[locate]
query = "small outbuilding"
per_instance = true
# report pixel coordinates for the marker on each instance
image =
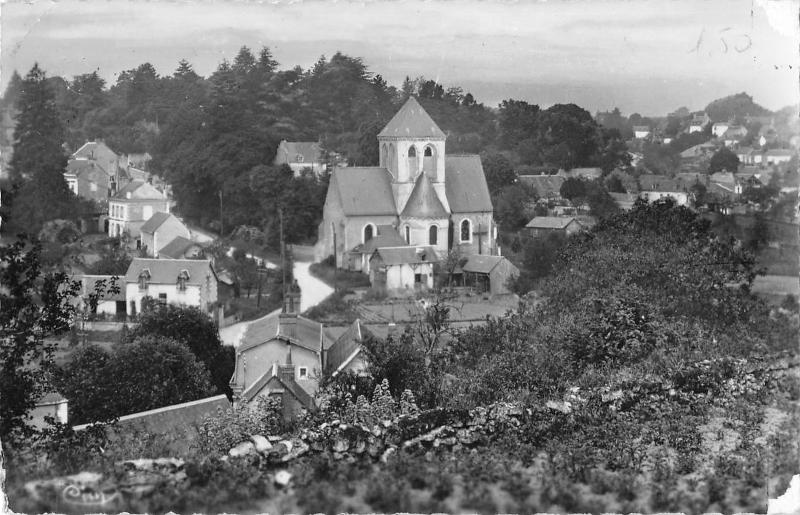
(402, 269)
(544, 225)
(489, 274)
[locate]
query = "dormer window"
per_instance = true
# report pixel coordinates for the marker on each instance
(183, 278)
(144, 277)
(299, 158)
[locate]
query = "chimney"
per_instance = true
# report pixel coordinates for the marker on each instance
(291, 299)
(286, 372)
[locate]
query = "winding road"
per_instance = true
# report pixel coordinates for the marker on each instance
(313, 291)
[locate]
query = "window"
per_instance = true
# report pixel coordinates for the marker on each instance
(368, 232)
(299, 158)
(433, 235)
(412, 151)
(428, 152)
(466, 231)
(92, 186)
(417, 278)
(147, 212)
(144, 276)
(182, 278)
(303, 372)
(408, 235)
(162, 299)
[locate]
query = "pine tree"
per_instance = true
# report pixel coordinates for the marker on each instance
(38, 162)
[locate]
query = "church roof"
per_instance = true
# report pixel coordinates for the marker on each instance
(412, 121)
(424, 202)
(364, 190)
(465, 184)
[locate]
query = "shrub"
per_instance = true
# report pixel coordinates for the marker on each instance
(221, 432)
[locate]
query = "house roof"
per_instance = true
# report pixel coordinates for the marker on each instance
(465, 184)
(166, 271)
(726, 177)
(139, 190)
(92, 149)
(651, 182)
(412, 121)
(406, 255)
(310, 151)
(641, 128)
(88, 283)
(155, 221)
(78, 166)
(176, 248)
(780, 152)
(545, 185)
(588, 173)
(50, 398)
(272, 378)
(302, 332)
(424, 202)
(481, 263)
(346, 347)
(387, 237)
(550, 222)
(364, 190)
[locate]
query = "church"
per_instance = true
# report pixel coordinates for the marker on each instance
(418, 196)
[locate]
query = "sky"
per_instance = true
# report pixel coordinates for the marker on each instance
(643, 56)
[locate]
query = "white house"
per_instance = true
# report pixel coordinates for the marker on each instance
(52, 404)
(778, 155)
(641, 131)
(402, 269)
(186, 282)
(301, 156)
(718, 129)
(681, 198)
(132, 206)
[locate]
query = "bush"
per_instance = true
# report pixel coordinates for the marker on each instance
(219, 433)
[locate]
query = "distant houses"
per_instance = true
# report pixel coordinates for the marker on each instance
(544, 225)
(301, 156)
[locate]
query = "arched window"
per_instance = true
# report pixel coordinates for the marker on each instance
(433, 235)
(429, 161)
(408, 235)
(413, 165)
(412, 151)
(369, 232)
(466, 230)
(384, 156)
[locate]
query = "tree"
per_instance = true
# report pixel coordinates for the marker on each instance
(114, 257)
(33, 306)
(38, 161)
(723, 159)
(498, 170)
(511, 206)
(197, 331)
(146, 373)
(573, 188)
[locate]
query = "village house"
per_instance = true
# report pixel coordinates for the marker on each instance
(778, 155)
(489, 274)
(588, 173)
(641, 131)
(545, 186)
(89, 180)
(99, 153)
(719, 128)
(283, 356)
(734, 135)
(681, 198)
(159, 230)
(108, 302)
(184, 282)
(541, 226)
(432, 199)
(402, 270)
(698, 123)
(386, 236)
(301, 156)
(132, 206)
